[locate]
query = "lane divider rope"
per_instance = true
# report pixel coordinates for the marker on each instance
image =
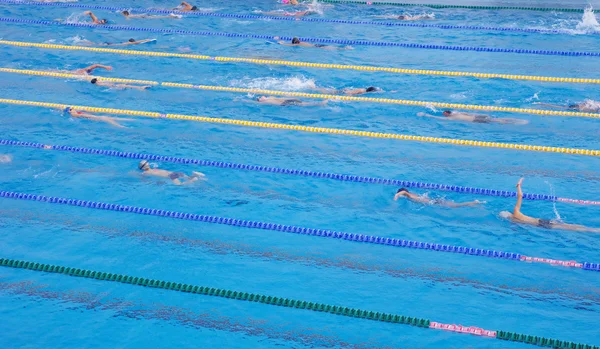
(322, 130)
(307, 39)
(296, 172)
(303, 64)
(306, 95)
(289, 18)
(363, 238)
(291, 303)
(311, 129)
(440, 6)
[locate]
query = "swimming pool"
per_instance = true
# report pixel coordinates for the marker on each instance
(54, 310)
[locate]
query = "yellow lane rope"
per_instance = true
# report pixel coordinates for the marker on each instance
(322, 130)
(304, 64)
(307, 95)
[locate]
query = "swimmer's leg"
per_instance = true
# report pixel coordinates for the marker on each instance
(510, 121)
(574, 227)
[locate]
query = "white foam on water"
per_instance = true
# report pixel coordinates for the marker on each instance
(294, 83)
(554, 209)
(535, 97)
(5, 158)
(591, 104)
(589, 22)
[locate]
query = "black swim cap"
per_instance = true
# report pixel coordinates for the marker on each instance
(94, 80)
(126, 13)
(194, 8)
(401, 190)
(371, 89)
(295, 41)
(447, 112)
(131, 40)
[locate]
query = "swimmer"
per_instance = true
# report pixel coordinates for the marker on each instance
(104, 118)
(519, 217)
(288, 14)
(475, 118)
(423, 199)
(348, 91)
(284, 102)
(297, 42)
(289, 2)
(128, 15)
(415, 18)
(588, 106)
(129, 42)
(95, 19)
(90, 69)
(185, 7)
(97, 82)
(178, 178)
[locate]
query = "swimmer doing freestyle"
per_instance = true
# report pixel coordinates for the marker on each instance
(475, 118)
(178, 178)
(588, 106)
(518, 217)
(422, 199)
(97, 82)
(284, 102)
(104, 118)
(128, 15)
(296, 42)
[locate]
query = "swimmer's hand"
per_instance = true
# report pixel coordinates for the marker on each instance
(420, 114)
(520, 182)
(480, 202)
(87, 12)
(199, 175)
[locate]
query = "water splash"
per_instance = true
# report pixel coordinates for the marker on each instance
(5, 158)
(589, 22)
(294, 83)
(535, 97)
(554, 209)
(590, 104)
(316, 7)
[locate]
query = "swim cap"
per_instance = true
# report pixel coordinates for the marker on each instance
(285, 1)
(295, 41)
(67, 110)
(142, 164)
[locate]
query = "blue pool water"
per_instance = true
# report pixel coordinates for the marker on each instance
(48, 310)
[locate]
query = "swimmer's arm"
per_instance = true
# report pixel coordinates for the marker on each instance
(284, 43)
(93, 16)
(186, 6)
(430, 116)
(551, 105)
(517, 210)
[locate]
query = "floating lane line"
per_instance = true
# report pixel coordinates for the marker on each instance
(362, 238)
(287, 19)
(311, 129)
(307, 95)
(290, 303)
(296, 172)
(307, 39)
(303, 64)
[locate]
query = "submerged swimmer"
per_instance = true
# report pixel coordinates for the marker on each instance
(97, 82)
(287, 102)
(348, 91)
(422, 199)
(475, 118)
(297, 42)
(519, 217)
(90, 69)
(185, 7)
(288, 14)
(588, 105)
(129, 42)
(178, 178)
(83, 115)
(128, 15)
(415, 18)
(95, 19)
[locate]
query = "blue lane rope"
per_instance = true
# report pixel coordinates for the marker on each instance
(315, 174)
(320, 40)
(302, 19)
(370, 239)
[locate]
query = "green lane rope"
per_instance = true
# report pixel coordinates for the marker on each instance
(440, 6)
(289, 303)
